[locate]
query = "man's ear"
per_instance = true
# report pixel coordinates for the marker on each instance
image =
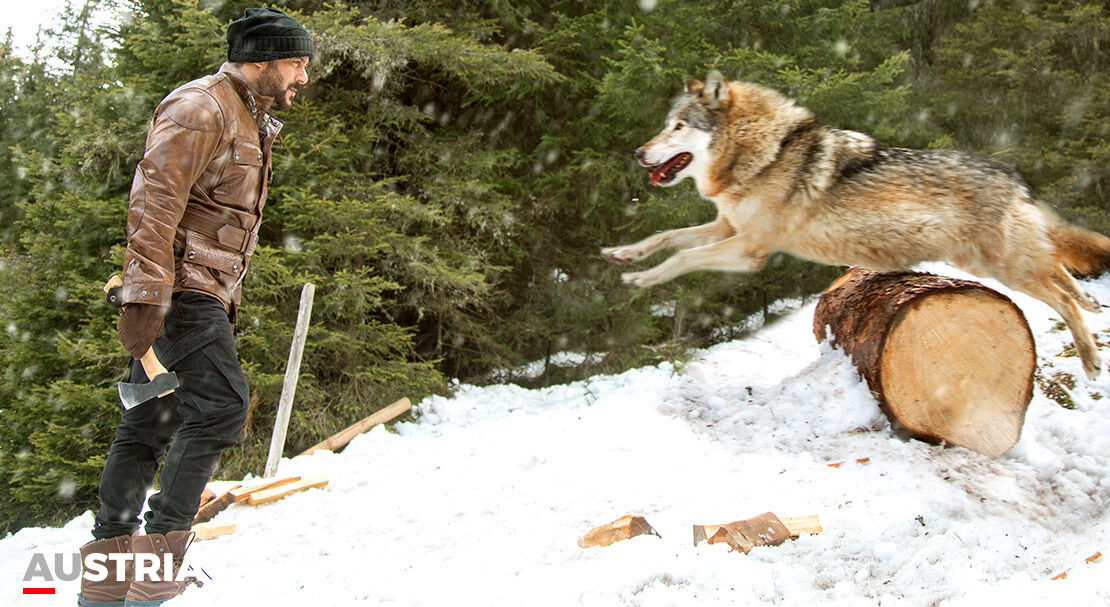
(716, 90)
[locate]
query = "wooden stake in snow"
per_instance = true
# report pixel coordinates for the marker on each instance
(948, 360)
(289, 386)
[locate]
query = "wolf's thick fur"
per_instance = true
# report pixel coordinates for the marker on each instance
(783, 181)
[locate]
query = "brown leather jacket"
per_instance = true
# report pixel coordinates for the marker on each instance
(197, 197)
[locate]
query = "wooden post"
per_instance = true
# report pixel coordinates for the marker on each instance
(289, 385)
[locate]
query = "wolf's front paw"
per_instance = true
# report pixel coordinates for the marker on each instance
(623, 253)
(639, 279)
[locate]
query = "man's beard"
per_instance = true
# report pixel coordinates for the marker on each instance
(270, 84)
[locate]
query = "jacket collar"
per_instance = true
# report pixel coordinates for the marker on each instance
(259, 105)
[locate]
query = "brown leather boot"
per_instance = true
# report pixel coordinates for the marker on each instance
(110, 592)
(144, 593)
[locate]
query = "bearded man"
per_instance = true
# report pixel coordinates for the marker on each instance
(192, 224)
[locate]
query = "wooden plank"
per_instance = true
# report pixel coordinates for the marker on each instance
(241, 494)
(272, 495)
(797, 525)
(206, 531)
(348, 434)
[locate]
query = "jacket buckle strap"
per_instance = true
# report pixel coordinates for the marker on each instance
(234, 237)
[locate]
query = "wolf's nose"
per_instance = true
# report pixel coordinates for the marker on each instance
(639, 154)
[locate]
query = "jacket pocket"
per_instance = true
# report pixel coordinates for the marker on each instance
(240, 185)
(209, 268)
(245, 153)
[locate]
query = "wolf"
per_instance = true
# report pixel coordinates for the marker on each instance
(784, 181)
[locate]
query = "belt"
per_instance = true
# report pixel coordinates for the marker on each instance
(217, 228)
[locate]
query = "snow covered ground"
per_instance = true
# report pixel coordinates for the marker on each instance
(482, 499)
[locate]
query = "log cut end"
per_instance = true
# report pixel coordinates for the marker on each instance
(948, 360)
(958, 367)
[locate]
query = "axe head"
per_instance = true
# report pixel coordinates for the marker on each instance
(132, 395)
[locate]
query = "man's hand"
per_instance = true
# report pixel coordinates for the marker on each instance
(138, 327)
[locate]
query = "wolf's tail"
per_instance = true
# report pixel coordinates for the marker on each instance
(1083, 252)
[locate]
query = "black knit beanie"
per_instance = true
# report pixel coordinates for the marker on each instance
(266, 34)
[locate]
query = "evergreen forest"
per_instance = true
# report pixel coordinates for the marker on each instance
(447, 179)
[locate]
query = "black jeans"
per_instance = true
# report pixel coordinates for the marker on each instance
(191, 427)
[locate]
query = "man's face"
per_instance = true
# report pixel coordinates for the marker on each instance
(281, 78)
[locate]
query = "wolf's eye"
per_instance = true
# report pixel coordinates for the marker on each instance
(678, 126)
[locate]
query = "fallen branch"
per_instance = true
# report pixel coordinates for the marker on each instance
(345, 436)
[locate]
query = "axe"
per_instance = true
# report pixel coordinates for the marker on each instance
(162, 382)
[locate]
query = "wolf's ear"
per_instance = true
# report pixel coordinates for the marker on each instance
(694, 86)
(716, 90)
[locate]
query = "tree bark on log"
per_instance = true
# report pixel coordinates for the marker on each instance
(948, 360)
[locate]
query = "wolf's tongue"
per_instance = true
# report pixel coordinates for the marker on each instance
(666, 171)
(657, 174)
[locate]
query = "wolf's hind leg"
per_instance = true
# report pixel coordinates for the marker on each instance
(1067, 282)
(729, 255)
(1067, 305)
(684, 238)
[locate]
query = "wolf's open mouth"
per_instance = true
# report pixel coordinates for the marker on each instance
(665, 173)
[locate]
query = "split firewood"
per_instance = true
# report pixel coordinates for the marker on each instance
(214, 506)
(206, 496)
(1091, 558)
(206, 531)
(348, 434)
(272, 495)
(948, 360)
(862, 460)
(623, 528)
(763, 530)
(237, 494)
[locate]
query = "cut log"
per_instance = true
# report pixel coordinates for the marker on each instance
(948, 360)
(623, 528)
(348, 434)
(763, 530)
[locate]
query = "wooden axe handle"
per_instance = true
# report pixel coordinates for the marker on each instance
(113, 282)
(151, 364)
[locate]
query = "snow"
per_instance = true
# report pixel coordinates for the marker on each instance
(482, 499)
